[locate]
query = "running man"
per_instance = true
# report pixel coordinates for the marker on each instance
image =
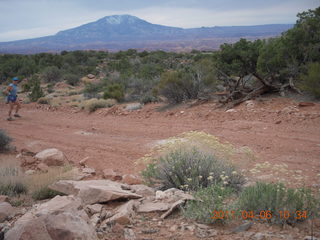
(12, 98)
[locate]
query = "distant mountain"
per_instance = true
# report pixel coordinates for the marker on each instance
(120, 32)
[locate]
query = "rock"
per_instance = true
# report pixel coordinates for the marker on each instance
(93, 209)
(173, 195)
(278, 122)
(133, 106)
(310, 238)
(231, 111)
(206, 233)
(147, 207)
(90, 171)
(84, 161)
(260, 236)
(143, 190)
(111, 175)
(242, 228)
(95, 218)
(124, 214)
(43, 167)
(94, 191)
(4, 198)
(129, 234)
(131, 179)
(30, 172)
(6, 210)
(91, 76)
(306, 104)
(57, 219)
(51, 157)
(172, 208)
(173, 228)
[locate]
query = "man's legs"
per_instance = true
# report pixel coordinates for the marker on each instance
(11, 105)
(17, 103)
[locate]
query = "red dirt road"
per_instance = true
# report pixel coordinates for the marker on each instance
(277, 130)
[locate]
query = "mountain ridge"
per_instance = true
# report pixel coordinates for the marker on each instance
(120, 32)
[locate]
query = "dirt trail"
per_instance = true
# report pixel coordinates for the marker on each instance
(277, 130)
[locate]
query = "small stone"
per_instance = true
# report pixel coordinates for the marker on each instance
(306, 104)
(111, 175)
(131, 179)
(242, 228)
(30, 172)
(90, 171)
(93, 209)
(84, 161)
(129, 234)
(173, 228)
(278, 122)
(231, 111)
(43, 167)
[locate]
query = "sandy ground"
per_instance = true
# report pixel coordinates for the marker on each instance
(276, 129)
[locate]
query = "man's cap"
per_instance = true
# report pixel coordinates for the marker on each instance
(15, 79)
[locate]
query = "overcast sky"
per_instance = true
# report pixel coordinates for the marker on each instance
(21, 19)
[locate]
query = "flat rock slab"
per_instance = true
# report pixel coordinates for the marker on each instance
(94, 191)
(153, 207)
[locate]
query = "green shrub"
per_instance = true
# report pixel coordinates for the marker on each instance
(148, 98)
(71, 79)
(207, 201)
(191, 169)
(51, 74)
(311, 81)
(12, 188)
(36, 91)
(45, 193)
(5, 141)
(91, 90)
(115, 91)
(94, 104)
(276, 198)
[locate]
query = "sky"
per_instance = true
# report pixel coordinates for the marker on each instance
(23, 19)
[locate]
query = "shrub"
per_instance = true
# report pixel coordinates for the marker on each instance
(207, 201)
(11, 182)
(276, 198)
(94, 104)
(5, 141)
(71, 79)
(51, 74)
(43, 100)
(311, 81)
(115, 91)
(191, 169)
(148, 98)
(91, 90)
(45, 193)
(36, 91)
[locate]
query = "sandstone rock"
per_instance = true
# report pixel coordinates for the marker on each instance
(133, 106)
(51, 157)
(206, 233)
(6, 210)
(93, 209)
(91, 76)
(242, 228)
(131, 179)
(30, 172)
(94, 191)
(129, 234)
(43, 167)
(173, 195)
(90, 171)
(142, 190)
(57, 219)
(231, 111)
(111, 175)
(4, 198)
(147, 207)
(95, 218)
(84, 161)
(124, 214)
(310, 238)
